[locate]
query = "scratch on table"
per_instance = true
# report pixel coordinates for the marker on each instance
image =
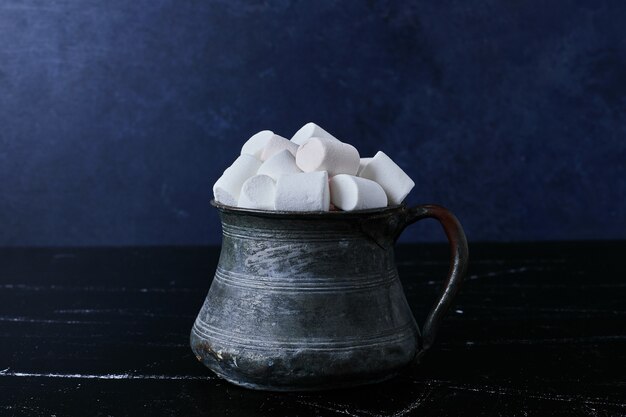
(339, 409)
(38, 410)
(569, 285)
(8, 373)
(499, 390)
(49, 321)
(491, 308)
(121, 312)
(54, 287)
(557, 340)
(124, 343)
(529, 394)
(414, 405)
(350, 411)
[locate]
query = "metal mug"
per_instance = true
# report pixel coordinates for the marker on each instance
(312, 300)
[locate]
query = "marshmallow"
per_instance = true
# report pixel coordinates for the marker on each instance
(227, 188)
(348, 193)
(307, 191)
(276, 144)
(257, 193)
(396, 183)
(362, 164)
(224, 197)
(310, 130)
(280, 164)
(254, 146)
(322, 154)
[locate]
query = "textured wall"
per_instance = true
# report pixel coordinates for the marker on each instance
(117, 116)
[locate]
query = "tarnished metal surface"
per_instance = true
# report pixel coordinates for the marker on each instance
(305, 301)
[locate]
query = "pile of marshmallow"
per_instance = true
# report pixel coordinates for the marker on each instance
(314, 171)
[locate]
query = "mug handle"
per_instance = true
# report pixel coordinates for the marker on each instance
(459, 257)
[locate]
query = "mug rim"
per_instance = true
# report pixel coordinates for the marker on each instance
(308, 214)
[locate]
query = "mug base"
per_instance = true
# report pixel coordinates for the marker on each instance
(330, 385)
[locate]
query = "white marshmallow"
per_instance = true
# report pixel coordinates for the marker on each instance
(322, 154)
(307, 191)
(254, 146)
(280, 164)
(396, 183)
(224, 197)
(276, 144)
(310, 130)
(257, 193)
(227, 188)
(362, 164)
(348, 193)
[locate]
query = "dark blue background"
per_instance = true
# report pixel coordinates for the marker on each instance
(116, 117)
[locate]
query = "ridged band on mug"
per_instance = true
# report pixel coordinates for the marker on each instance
(362, 282)
(289, 235)
(229, 338)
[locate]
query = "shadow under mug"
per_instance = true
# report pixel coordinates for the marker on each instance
(312, 300)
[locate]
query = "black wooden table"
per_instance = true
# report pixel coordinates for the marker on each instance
(539, 329)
